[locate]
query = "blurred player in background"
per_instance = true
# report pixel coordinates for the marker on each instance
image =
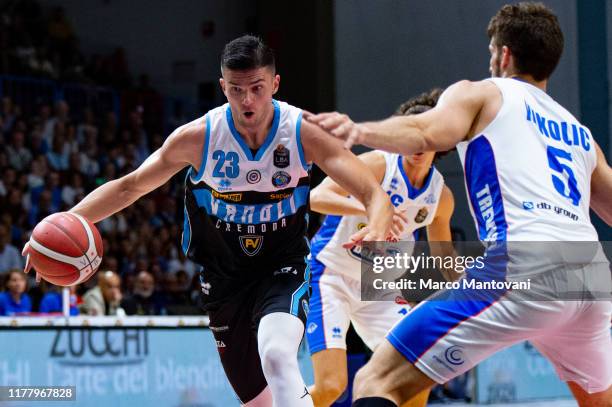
(417, 191)
(518, 147)
(246, 215)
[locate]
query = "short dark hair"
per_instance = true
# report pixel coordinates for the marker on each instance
(247, 52)
(420, 104)
(532, 33)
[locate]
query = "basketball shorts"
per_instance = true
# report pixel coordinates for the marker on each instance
(234, 324)
(335, 302)
(445, 338)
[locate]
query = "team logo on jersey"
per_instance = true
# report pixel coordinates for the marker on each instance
(234, 197)
(253, 177)
(394, 183)
(361, 225)
(224, 185)
(430, 199)
(421, 215)
(281, 156)
(336, 332)
(281, 179)
(454, 355)
(312, 327)
(528, 205)
(251, 244)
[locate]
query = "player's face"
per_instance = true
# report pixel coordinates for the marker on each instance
(249, 94)
(495, 61)
(421, 159)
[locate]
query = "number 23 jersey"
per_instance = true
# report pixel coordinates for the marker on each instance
(246, 212)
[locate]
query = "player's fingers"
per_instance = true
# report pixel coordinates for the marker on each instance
(25, 249)
(356, 238)
(334, 121)
(401, 215)
(351, 139)
(343, 130)
(317, 118)
(398, 223)
(395, 229)
(28, 264)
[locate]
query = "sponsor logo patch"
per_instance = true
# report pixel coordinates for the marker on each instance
(251, 244)
(421, 215)
(253, 176)
(234, 197)
(281, 156)
(281, 179)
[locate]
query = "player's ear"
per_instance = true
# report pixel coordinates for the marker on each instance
(506, 58)
(222, 83)
(275, 84)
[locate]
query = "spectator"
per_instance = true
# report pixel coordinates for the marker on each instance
(10, 258)
(8, 114)
(52, 301)
(145, 300)
(19, 155)
(9, 178)
(15, 300)
(58, 156)
(105, 298)
(73, 189)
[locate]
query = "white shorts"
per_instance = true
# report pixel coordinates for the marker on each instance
(335, 302)
(444, 339)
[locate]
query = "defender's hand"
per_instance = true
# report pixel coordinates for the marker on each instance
(399, 222)
(341, 126)
(369, 235)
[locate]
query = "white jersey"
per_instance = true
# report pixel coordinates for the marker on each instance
(528, 174)
(419, 205)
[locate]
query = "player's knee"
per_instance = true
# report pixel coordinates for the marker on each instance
(275, 360)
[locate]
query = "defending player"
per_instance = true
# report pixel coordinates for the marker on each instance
(421, 199)
(518, 146)
(246, 214)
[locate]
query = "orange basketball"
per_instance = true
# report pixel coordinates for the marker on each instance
(65, 249)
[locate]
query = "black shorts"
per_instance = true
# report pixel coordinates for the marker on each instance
(234, 324)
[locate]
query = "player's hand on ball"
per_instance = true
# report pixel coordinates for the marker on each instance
(65, 249)
(341, 126)
(28, 262)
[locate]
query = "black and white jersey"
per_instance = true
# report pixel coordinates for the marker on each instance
(246, 211)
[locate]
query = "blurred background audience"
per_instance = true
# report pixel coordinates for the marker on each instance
(69, 123)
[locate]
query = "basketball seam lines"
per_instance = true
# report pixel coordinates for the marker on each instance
(65, 232)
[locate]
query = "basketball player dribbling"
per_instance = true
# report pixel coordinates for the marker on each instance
(246, 215)
(517, 146)
(422, 201)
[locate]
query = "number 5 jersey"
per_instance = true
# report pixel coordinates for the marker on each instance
(528, 173)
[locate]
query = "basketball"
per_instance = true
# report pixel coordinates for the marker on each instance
(65, 249)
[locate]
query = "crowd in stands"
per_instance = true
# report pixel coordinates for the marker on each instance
(52, 154)
(41, 42)
(51, 161)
